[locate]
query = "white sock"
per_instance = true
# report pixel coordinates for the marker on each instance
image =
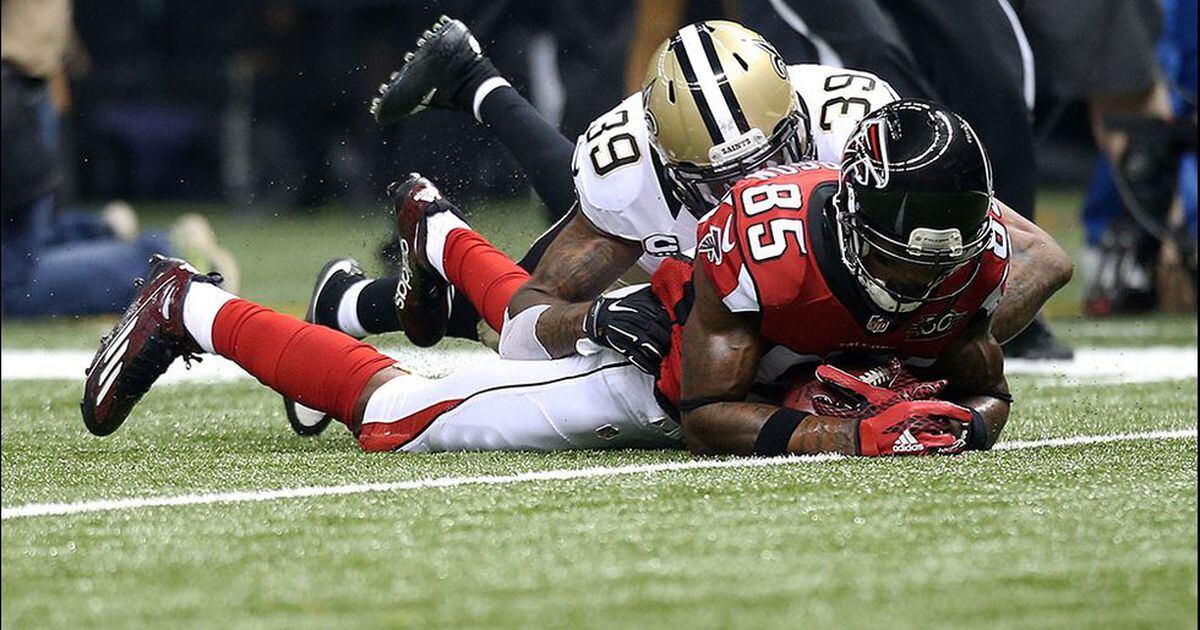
(200, 307)
(347, 312)
(440, 225)
(485, 88)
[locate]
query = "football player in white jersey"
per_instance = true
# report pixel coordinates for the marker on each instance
(602, 399)
(718, 103)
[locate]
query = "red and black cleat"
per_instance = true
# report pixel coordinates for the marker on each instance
(140, 348)
(422, 295)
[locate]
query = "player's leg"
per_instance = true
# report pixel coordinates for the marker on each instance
(178, 312)
(580, 402)
(360, 306)
(446, 72)
(592, 402)
(438, 250)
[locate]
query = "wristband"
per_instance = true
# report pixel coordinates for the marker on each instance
(977, 433)
(772, 440)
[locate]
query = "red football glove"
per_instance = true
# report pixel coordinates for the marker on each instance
(915, 427)
(858, 399)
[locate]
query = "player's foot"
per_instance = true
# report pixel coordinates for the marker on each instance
(331, 283)
(149, 337)
(444, 71)
(194, 241)
(1038, 343)
(422, 295)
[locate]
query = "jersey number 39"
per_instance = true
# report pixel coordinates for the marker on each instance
(609, 148)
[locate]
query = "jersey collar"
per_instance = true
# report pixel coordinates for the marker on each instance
(842, 285)
(665, 187)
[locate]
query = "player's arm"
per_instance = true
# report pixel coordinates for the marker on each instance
(721, 350)
(578, 265)
(974, 365)
(1038, 267)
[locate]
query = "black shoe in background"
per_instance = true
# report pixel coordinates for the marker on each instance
(1037, 343)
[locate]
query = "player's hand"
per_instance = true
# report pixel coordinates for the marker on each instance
(915, 427)
(634, 323)
(852, 397)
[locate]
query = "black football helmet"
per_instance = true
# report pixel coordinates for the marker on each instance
(915, 188)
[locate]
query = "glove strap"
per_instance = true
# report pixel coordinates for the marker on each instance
(772, 440)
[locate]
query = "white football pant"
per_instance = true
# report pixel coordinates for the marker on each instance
(599, 401)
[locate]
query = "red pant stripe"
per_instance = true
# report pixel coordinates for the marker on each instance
(389, 436)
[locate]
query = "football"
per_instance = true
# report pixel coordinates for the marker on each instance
(885, 372)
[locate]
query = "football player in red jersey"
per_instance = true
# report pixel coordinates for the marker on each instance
(631, 171)
(900, 252)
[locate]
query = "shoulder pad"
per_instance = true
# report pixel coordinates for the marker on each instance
(836, 99)
(754, 248)
(611, 163)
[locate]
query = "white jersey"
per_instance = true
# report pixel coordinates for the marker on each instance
(624, 191)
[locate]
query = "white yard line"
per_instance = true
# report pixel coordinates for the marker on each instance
(85, 507)
(1106, 366)
(1091, 366)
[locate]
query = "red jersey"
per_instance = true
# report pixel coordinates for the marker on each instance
(771, 247)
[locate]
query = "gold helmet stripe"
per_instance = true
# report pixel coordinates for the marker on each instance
(705, 84)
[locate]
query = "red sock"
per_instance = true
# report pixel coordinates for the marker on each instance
(483, 273)
(316, 366)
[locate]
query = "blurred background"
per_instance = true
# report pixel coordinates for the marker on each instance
(240, 128)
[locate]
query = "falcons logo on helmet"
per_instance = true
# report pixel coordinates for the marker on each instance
(866, 158)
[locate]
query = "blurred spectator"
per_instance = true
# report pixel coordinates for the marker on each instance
(1139, 80)
(61, 263)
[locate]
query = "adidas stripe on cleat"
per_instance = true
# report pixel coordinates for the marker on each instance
(143, 344)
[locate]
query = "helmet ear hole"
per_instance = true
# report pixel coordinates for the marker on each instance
(741, 62)
(671, 91)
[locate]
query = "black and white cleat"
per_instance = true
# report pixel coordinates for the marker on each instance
(443, 72)
(322, 309)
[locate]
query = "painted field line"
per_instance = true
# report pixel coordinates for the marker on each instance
(85, 507)
(1091, 366)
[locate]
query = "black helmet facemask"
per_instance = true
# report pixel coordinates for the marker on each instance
(928, 208)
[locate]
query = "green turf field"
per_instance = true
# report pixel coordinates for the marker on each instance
(1091, 534)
